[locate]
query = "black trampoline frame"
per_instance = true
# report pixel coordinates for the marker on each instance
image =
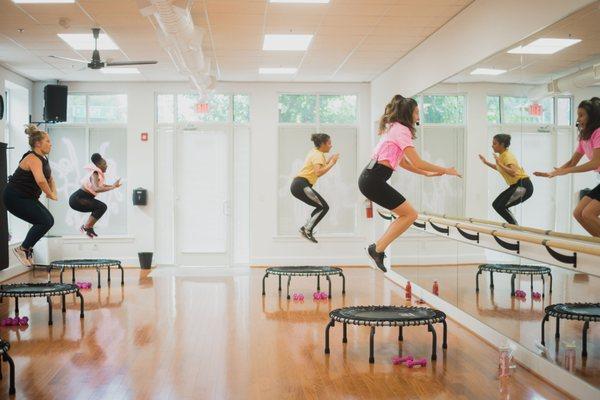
(66, 289)
(84, 264)
(514, 270)
(439, 317)
(4, 357)
(295, 271)
(551, 311)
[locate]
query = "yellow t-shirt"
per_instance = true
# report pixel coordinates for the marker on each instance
(507, 158)
(315, 157)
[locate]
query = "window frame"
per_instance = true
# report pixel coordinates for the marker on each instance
(87, 120)
(318, 122)
(421, 102)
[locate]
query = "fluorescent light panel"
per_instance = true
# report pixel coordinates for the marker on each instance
(277, 71)
(287, 42)
(487, 71)
(42, 1)
(544, 46)
(85, 41)
(300, 1)
(120, 70)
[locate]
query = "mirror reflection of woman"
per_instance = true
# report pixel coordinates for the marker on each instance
(519, 188)
(587, 211)
(395, 148)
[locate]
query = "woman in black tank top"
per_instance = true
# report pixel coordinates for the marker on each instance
(32, 177)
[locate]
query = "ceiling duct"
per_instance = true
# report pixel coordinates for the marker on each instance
(567, 84)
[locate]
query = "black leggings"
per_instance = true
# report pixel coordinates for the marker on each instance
(515, 194)
(29, 210)
(83, 201)
(303, 191)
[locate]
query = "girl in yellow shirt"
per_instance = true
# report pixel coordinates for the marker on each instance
(315, 166)
(519, 188)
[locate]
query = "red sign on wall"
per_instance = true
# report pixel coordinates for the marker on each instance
(535, 109)
(144, 136)
(202, 108)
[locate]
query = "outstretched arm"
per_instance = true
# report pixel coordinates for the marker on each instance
(404, 163)
(417, 162)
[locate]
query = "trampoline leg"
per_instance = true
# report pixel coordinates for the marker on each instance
(80, 304)
(122, 274)
(550, 275)
(108, 274)
(16, 306)
(11, 365)
(318, 282)
(543, 323)
(263, 283)
(72, 275)
(433, 342)
(343, 283)
(400, 334)
(491, 279)
(372, 346)
(512, 284)
(445, 337)
(62, 270)
(49, 310)
(557, 334)
(1, 299)
(288, 286)
(477, 280)
(279, 282)
(543, 286)
(329, 282)
(98, 272)
(345, 337)
(329, 325)
(586, 325)
(64, 307)
(531, 282)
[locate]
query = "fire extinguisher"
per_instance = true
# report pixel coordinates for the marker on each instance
(408, 291)
(436, 288)
(369, 208)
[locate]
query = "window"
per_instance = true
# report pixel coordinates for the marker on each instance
(564, 111)
(241, 108)
(337, 109)
(493, 109)
(218, 108)
(297, 108)
(76, 108)
(520, 110)
(97, 108)
(443, 110)
(165, 111)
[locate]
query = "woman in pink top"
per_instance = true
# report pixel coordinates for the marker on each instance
(397, 130)
(84, 199)
(588, 122)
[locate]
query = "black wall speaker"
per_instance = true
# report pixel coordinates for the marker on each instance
(55, 103)
(1, 106)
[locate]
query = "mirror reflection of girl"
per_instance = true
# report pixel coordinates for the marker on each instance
(519, 188)
(21, 195)
(395, 148)
(84, 200)
(587, 211)
(315, 166)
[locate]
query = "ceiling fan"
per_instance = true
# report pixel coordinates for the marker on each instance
(96, 63)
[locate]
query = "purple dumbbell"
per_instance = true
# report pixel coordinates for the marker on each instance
(413, 363)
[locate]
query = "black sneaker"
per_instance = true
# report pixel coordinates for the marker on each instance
(307, 235)
(376, 257)
(88, 231)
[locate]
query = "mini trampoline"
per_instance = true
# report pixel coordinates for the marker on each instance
(46, 290)
(87, 263)
(514, 270)
(4, 346)
(327, 272)
(587, 312)
(374, 316)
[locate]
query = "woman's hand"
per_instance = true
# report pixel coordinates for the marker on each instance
(452, 171)
(556, 172)
(117, 183)
(483, 159)
(52, 196)
(496, 158)
(334, 158)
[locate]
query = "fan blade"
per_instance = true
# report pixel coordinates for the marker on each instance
(118, 63)
(68, 59)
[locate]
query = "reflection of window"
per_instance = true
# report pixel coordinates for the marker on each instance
(337, 109)
(297, 108)
(97, 108)
(447, 109)
(493, 109)
(564, 111)
(519, 110)
(241, 108)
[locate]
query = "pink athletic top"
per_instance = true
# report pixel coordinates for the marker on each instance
(392, 144)
(86, 183)
(587, 146)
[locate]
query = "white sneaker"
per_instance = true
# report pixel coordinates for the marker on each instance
(22, 256)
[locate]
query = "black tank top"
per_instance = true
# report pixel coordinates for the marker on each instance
(24, 182)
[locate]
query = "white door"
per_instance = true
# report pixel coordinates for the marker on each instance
(202, 190)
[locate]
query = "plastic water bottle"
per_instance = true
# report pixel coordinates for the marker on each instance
(504, 361)
(408, 291)
(570, 356)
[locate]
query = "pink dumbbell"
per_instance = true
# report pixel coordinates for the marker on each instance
(520, 294)
(320, 296)
(298, 297)
(7, 322)
(22, 321)
(400, 360)
(84, 285)
(413, 363)
(536, 295)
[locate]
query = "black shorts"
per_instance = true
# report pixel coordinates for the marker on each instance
(373, 185)
(594, 193)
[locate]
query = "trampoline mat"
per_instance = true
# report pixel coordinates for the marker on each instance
(386, 313)
(515, 268)
(41, 289)
(304, 270)
(583, 309)
(85, 263)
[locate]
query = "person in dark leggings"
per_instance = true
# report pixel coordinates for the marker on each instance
(84, 199)
(395, 148)
(21, 195)
(519, 188)
(587, 212)
(315, 166)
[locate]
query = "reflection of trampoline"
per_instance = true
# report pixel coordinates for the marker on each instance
(387, 316)
(4, 346)
(87, 263)
(514, 270)
(305, 271)
(588, 312)
(46, 290)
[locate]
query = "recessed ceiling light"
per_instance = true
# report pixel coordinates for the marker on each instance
(85, 41)
(300, 1)
(41, 1)
(287, 42)
(118, 70)
(487, 71)
(544, 46)
(279, 71)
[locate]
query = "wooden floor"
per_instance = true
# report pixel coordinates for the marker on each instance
(187, 333)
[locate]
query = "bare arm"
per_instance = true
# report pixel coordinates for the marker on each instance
(404, 163)
(417, 162)
(510, 169)
(572, 167)
(321, 170)
(573, 161)
(98, 188)
(35, 166)
(486, 162)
